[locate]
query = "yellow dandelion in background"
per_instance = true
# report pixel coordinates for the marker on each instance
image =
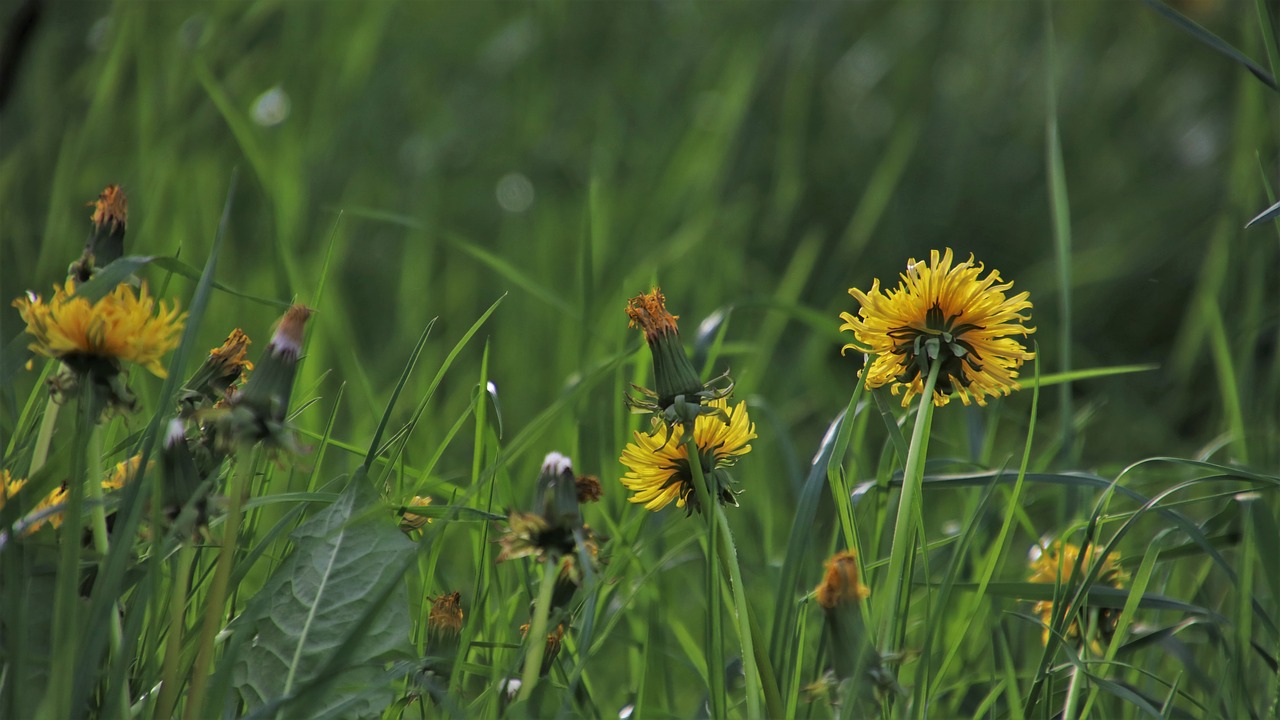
(410, 521)
(659, 465)
(943, 312)
(125, 471)
(1055, 564)
(841, 584)
(10, 488)
(120, 326)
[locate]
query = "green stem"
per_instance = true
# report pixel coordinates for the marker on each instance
(537, 637)
(214, 601)
(101, 545)
(754, 659)
(904, 536)
(1073, 693)
(66, 603)
(715, 622)
(40, 453)
(170, 682)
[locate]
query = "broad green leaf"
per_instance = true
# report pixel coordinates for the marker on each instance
(342, 557)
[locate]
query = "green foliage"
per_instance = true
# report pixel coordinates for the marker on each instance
(467, 194)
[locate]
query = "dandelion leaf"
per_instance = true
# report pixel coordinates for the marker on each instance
(344, 560)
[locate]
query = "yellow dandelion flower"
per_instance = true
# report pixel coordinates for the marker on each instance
(1055, 564)
(120, 326)
(841, 583)
(410, 521)
(10, 487)
(659, 465)
(124, 472)
(943, 311)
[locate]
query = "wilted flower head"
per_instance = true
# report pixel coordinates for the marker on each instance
(680, 396)
(841, 584)
(445, 617)
(225, 366)
(552, 647)
(106, 242)
(942, 313)
(258, 411)
(659, 469)
(589, 489)
(1056, 563)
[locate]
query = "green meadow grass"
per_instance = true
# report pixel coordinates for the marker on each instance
(468, 194)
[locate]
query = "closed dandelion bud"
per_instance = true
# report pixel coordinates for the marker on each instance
(106, 240)
(556, 492)
(271, 385)
(839, 595)
(186, 504)
(680, 396)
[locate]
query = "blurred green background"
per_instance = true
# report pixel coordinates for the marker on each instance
(758, 158)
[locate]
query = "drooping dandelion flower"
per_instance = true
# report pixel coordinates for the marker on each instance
(216, 377)
(1055, 564)
(943, 312)
(123, 325)
(659, 466)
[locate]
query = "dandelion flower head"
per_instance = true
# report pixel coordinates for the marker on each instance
(659, 470)
(122, 325)
(945, 312)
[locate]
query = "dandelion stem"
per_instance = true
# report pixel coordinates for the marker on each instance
(101, 545)
(715, 622)
(66, 603)
(170, 682)
(894, 613)
(537, 637)
(215, 600)
(1073, 693)
(753, 663)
